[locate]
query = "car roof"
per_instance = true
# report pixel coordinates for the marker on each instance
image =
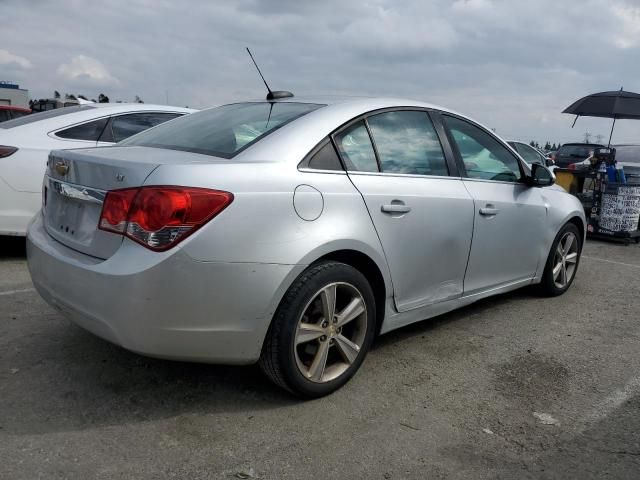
(368, 103)
(294, 140)
(81, 113)
(581, 145)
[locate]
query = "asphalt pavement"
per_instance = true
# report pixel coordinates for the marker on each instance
(516, 386)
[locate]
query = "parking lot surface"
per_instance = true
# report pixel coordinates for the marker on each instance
(515, 386)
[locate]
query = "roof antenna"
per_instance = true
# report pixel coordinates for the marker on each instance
(272, 95)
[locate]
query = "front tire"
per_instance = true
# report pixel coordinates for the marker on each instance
(321, 331)
(562, 262)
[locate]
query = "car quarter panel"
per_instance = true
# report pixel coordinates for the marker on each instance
(262, 225)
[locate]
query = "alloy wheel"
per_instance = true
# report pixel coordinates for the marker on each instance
(565, 260)
(330, 332)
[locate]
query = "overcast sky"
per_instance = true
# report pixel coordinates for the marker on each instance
(510, 64)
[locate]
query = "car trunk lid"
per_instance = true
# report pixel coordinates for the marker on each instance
(76, 183)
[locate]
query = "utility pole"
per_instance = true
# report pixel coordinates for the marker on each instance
(587, 137)
(599, 138)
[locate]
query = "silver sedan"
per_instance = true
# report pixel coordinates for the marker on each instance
(292, 232)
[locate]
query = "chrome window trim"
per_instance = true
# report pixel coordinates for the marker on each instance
(486, 180)
(317, 170)
(403, 175)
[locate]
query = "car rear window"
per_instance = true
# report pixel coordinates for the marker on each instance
(223, 131)
(576, 151)
(35, 117)
(628, 154)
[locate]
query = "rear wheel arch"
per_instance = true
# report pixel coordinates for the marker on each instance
(369, 268)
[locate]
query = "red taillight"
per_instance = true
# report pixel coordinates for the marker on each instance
(116, 209)
(572, 166)
(6, 151)
(160, 217)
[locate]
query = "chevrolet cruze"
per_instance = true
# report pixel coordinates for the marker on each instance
(291, 232)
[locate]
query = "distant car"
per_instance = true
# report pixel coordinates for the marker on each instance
(574, 153)
(9, 112)
(530, 154)
(627, 156)
(25, 144)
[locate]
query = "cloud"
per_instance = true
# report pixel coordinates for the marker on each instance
(630, 18)
(513, 65)
(87, 70)
(471, 5)
(7, 58)
(386, 30)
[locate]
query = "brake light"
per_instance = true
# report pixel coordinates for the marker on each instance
(6, 151)
(160, 217)
(572, 166)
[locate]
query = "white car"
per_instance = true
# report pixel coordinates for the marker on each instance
(531, 154)
(25, 144)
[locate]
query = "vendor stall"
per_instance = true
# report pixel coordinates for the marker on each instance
(611, 203)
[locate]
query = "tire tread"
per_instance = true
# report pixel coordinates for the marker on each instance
(270, 350)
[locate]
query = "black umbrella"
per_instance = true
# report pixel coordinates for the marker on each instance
(617, 104)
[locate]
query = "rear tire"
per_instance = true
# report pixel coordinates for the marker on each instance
(562, 262)
(321, 331)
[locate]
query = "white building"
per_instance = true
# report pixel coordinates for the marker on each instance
(12, 94)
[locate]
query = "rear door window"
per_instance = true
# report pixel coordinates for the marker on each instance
(406, 142)
(124, 126)
(89, 131)
(325, 158)
(356, 149)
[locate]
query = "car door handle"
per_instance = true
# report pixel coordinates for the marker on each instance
(489, 210)
(395, 208)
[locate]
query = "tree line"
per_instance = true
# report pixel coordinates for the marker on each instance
(547, 146)
(102, 98)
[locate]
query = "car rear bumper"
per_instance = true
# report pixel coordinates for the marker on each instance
(17, 209)
(165, 305)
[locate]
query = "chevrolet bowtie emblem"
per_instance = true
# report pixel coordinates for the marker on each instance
(61, 168)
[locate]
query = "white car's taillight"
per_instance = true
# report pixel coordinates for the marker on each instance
(159, 217)
(5, 151)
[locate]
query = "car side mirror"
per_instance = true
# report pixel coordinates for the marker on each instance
(550, 162)
(541, 176)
